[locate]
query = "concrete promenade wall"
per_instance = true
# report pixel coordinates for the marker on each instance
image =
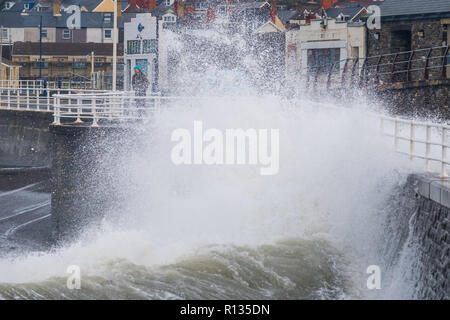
(431, 230)
(25, 138)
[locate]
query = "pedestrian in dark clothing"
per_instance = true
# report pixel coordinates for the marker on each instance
(140, 85)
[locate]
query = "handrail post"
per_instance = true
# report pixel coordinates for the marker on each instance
(18, 99)
(411, 141)
(48, 100)
(408, 75)
(94, 113)
(344, 72)
(28, 97)
(57, 111)
(79, 106)
(393, 67)
(445, 62)
(444, 154)
(427, 149)
(427, 63)
(9, 97)
(362, 74)
(38, 102)
(329, 76)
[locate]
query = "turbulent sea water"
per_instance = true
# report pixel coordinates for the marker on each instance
(226, 232)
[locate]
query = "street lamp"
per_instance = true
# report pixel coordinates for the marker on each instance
(40, 48)
(114, 75)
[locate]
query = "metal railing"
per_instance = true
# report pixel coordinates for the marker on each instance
(35, 98)
(90, 108)
(70, 84)
(116, 107)
(421, 64)
(422, 140)
(23, 84)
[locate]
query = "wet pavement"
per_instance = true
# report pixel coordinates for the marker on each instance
(25, 207)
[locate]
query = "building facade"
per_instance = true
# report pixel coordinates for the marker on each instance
(407, 33)
(141, 49)
(147, 41)
(71, 60)
(322, 43)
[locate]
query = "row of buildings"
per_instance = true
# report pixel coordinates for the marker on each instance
(287, 39)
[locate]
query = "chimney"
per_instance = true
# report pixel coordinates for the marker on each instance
(132, 5)
(151, 4)
(56, 8)
(210, 15)
(327, 4)
(273, 10)
(180, 9)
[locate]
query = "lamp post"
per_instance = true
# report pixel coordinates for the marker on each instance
(40, 49)
(114, 72)
(1, 51)
(92, 63)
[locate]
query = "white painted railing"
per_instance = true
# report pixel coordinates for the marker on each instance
(422, 140)
(70, 85)
(90, 108)
(35, 98)
(23, 84)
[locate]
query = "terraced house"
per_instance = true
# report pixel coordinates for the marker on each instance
(35, 29)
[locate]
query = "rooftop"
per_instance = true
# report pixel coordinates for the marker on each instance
(390, 8)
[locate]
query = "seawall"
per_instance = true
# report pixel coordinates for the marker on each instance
(25, 138)
(431, 229)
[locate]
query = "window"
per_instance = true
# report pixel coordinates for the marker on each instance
(79, 64)
(66, 34)
(401, 39)
(60, 62)
(168, 3)
(107, 34)
(44, 33)
(43, 63)
(134, 47)
(4, 34)
(43, 7)
(107, 17)
(322, 60)
(168, 18)
(149, 46)
(99, 62)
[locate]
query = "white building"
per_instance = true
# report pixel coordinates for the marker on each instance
(140, 47)
(324, 42)
(147, 46)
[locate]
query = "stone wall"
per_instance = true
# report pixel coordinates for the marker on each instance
(423, 99)
(432, 232)
(432, 35)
